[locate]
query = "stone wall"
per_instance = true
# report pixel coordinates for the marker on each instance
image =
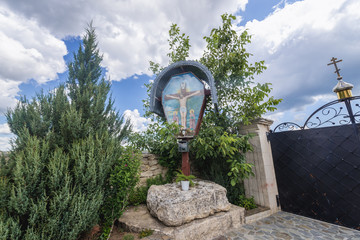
(150, 168)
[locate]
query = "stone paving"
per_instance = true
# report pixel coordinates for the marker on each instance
(283, 225)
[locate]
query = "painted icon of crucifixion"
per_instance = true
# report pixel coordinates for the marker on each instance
(182, 97)
(182, 100)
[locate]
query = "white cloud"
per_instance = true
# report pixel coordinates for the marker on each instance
(4, 129)
(8, 92)
(131, 32)
(299, 40)
(27, 51)
(5, 136)
(276, 117)
(5, 143)
(139, 123)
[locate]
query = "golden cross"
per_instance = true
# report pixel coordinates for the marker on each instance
(336, 68)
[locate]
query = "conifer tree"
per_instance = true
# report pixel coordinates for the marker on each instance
(59, 173)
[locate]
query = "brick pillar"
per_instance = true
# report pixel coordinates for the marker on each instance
(263, 185)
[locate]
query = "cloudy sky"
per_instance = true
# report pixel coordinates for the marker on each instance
(295, 38)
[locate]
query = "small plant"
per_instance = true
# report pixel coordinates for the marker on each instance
(158, 180)
(180, 176)
(146, 233)
(128, 237)
(247, 203)
(139, 194)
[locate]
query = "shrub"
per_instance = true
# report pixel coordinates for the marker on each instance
(247, 203)
(123, 178)
(146, 233)
(66, 156)
(139, 195)
(128, 237)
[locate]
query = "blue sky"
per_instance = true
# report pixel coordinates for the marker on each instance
(295, 38)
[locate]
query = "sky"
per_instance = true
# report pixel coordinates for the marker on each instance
(295, 38)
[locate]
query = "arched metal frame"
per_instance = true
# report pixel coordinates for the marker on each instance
(164, 76)
(287, 126)
(331, 114)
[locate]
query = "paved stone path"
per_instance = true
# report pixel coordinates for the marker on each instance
(283, 225)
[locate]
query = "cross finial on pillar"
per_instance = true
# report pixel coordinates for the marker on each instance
(337, 70)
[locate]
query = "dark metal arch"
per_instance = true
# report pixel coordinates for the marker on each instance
(337, 112)
(332, 114)
(164, 76)
(287, 126)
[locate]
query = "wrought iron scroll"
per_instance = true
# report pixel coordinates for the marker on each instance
(287, 126)
(335, 113)
(331, 114)
(356, 109)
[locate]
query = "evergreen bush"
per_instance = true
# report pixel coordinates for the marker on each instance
(67, 170)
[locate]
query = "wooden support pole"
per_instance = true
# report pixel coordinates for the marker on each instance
(185, 166)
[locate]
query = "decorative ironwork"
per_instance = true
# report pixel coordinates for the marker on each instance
(330, 114)
(287, 126)
(317, 172)
(335, 113)
(356, 109)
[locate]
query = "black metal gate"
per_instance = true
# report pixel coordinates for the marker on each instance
(318, 170)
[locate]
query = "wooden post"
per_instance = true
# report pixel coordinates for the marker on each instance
(185, 166)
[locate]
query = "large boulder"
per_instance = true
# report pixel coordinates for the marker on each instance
(175, 207)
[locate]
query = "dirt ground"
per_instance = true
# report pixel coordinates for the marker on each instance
(118, 234)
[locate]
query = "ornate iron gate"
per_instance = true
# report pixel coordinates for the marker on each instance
(318, 167)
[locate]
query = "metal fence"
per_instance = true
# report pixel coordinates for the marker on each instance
(318, 169)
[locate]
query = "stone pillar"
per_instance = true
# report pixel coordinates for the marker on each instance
(263, 185)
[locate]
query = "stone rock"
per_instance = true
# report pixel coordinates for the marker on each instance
(157, 172)
(175, 207)
(152, 162)
(138, 218)
(142, 182)
(155, 167)
(147, 174)
(144, 168)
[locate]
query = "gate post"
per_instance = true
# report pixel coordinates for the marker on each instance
(263, 185)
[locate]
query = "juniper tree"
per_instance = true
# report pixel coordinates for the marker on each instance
(58, 175)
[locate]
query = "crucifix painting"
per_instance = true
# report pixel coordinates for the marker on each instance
(183, 95)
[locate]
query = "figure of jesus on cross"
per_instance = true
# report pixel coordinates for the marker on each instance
(183, 96)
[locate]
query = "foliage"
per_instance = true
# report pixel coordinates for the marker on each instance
(123, 179)
(219, 156)
(67, 151)
(128, 237)
(218, 152)
(139, 194)
(213, 144)
(146, 233)
(105, 232)
(217, 171)
(180, 176)
(160, 140)
(247, 203)
(226, 57)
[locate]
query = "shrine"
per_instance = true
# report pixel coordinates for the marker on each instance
(179, 94)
